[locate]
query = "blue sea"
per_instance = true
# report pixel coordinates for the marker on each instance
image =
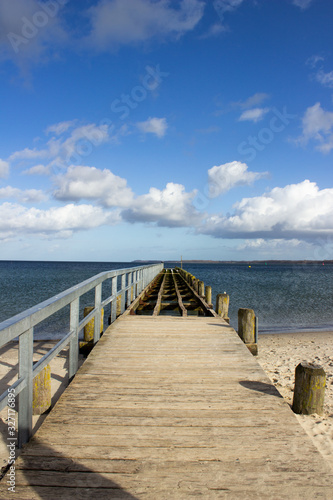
(285, 296)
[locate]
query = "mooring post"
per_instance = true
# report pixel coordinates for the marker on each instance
(247, 329)
(208, 295)
(201, 288)
(309, 392)
(41, 395)
(222, 306)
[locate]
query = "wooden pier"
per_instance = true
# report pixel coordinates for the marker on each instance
(170, 404)
(171, 408)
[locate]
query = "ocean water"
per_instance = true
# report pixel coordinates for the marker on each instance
(285, 297)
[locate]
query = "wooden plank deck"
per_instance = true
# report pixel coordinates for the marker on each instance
(171, 408)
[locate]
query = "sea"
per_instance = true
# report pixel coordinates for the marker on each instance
(285, 296)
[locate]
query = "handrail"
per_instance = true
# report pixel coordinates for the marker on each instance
(22, 326)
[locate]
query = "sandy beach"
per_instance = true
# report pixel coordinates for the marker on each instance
(279, 354)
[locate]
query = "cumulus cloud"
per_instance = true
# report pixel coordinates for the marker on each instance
(317, 126)
(4, 168)
(222, 178)
(17, 219)
(300, 211)
(157, 126)
(115, 22)
(24, 196)
(170, 207)
(90, 183)
(253, 115)
(303, 4)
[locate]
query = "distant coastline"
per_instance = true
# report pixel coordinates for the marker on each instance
(275, 262)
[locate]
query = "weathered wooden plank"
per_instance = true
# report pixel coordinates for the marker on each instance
(171, 408)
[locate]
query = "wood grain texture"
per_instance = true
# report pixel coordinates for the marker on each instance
(171, 408)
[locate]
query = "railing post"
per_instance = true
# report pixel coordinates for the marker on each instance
(135, 285)
(98, 301)
(123, 285)
(129, 291)
(74, 342)
(26, 349)
(114, 302)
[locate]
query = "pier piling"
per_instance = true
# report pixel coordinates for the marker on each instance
(309, 392)
(247, 329)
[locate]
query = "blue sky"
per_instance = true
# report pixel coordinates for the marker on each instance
(150, 129)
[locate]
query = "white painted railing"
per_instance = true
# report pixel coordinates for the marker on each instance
(22, 326)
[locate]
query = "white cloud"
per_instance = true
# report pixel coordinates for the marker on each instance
(253, 115)
(117, 22)
(63, 221)
(325, 79)
(29, 154)
(60, 128)
(253, 100)
(90, 183)
(270, 245)
(24, 196)
(170, 207)
(299, 211)
(66, 147)
(222, 178)
(157, 126)
(314, 60)
(303, 4)
(318, 126)
(4, 168)
(223, 6)
(38, 170)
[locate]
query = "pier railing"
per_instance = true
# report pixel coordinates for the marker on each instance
(132, 282)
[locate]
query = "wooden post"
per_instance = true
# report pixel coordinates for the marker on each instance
(201, 288)
(222, 306)
(41, 397)
(118, 305)
(208, 295)
(309, 392)
(247, 329)
(90, 327)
